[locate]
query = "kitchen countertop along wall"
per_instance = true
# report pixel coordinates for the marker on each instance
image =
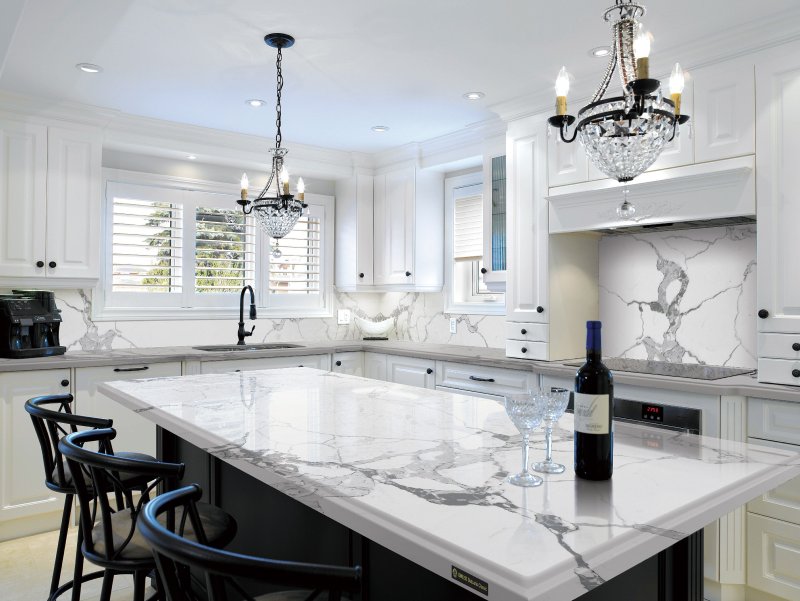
(745, 385)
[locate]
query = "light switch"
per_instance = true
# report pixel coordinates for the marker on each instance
(343, 317)
(453, 325)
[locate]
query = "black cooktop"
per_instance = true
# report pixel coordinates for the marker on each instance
(664, 368)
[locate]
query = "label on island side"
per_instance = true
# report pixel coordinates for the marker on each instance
(471, 581)
(591, 413)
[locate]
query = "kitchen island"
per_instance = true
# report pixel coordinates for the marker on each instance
(410, 483)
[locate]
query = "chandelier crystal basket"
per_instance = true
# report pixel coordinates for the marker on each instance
(624, 135)
(276, 208)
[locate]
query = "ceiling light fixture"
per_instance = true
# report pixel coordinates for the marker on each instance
(379, 129)
(191, 157)
(276, 207)
(255, 102)
(474, 95)
(624, 135)
(600, 51)
(89, 68)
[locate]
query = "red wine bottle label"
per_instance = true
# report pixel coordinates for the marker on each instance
(591, 413)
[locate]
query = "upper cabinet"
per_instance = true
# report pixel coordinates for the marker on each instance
(390, 231)
(51, 197)
(495, 248)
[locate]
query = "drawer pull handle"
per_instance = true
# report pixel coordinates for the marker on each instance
(483, 270)
(763, 313)
(540, 309)
(39, 263)
(65, 383)
(796, 373)
(796, 346)
(523, 331)
(429, 371)
(361, 275)
(477, 379)
(338, 364)
(119, 369)
(408, 274)
(52, 264)
(524, 350)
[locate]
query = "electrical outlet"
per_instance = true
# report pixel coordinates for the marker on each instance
(453, 325)
(343, 317)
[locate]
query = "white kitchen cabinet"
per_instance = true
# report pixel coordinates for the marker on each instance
(354, 233)
(25, 501)
(348, 363)
(492, 381)
(233, 365)
(773, 552)
(134, 432)
(375, 366)
(409, 230)
(51, 200)
(495, 248)
(411, 370)
(567, 163)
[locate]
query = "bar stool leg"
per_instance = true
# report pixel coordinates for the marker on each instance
(139, 580)
(62, 543)
(77, 574)
(108, 580)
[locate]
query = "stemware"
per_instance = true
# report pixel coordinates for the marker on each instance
(555, 403)
(526, 411)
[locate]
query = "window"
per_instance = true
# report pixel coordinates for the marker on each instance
(466, 291)
(177, 252)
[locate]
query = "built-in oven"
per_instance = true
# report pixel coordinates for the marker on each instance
(656, 415)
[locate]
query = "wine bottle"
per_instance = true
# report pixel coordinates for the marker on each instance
(594, 407)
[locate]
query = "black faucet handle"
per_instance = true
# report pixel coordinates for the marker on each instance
(252, 311)
(250, 333)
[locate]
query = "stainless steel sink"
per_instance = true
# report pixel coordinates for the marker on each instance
(246, 347)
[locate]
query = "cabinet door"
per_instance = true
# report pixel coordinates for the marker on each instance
(22, 491)
(375, 366)
(348, 363)
(394, 227)
(23, 198)
(773, 554)
(224, 367)
(725, 111)
(73, 202)
(778, 187)
(134, 433)
(411, 371)
(494, 215)
(566, 163)
(680, 151)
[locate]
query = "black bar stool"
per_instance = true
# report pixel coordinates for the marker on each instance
(169, 518)
(51, 424)
(111, 535)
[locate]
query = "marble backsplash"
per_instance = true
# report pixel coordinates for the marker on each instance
(681, 296)
(418, 317)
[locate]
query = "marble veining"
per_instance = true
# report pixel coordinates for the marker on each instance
(422, 472)
(680, 296)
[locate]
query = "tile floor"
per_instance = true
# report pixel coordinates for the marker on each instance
(26, 566)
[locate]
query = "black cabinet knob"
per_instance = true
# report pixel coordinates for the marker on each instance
(408, 273)
(338, 364)
(52, 264)
(796, 373)
(763, 313)
(429, 371)
(361, 275)
(523, 350)
(796, 346)
(523, 331)
(39, 263)
(65, 383)
(540, 309)
(483, 270)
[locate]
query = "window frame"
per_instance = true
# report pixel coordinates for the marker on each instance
(479, 303)
(106, 305)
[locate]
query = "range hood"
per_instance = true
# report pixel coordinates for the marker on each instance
(699, 195)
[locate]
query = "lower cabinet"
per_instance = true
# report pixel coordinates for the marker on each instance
(411, 371)
(224, 367)
(375, 366)
(348, 363)
(773, 556)
(134, 433)
(24, 498)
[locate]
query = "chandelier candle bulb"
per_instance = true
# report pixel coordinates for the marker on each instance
(676, 83)
(562, 89)
(285, 179)
(301, 189)
(641, 50)
(245, 185)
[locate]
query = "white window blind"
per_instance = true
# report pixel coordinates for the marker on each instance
(298, 268)
(147, 245)
(224, 250)
(468, 228)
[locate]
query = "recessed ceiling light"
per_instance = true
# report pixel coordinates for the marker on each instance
(89, 68)
(380, 128)
(255, 102)
(191, 157)
(600, 51)
(474, 95)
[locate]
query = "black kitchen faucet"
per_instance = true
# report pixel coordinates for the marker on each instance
(242, 332)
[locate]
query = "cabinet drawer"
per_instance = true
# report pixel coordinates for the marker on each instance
(774, 420)
(487, 380)
(222, 367)
(523, 349)
(526, 331)
(779, 371)
(773, 554)
(779, 346)
(782, 502)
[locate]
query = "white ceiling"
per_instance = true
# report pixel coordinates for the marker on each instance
(357, 63)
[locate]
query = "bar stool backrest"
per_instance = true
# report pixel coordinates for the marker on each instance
(175, 555)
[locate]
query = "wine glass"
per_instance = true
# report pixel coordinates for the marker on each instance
(526, 411)
(555, 403)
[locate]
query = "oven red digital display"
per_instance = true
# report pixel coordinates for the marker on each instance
(653, 413)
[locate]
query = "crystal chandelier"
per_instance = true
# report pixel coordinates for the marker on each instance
(624, 135)
(276, 207)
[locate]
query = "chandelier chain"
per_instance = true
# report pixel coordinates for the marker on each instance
(279, 87)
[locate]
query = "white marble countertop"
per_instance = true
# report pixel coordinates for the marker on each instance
(422, 473)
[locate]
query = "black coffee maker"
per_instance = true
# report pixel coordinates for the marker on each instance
(29, 324)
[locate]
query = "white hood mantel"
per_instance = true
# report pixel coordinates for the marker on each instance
(701, 192)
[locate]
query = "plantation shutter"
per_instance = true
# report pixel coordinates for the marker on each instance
(298, 268)
(468, 228)
(147, 246)
(224, 257)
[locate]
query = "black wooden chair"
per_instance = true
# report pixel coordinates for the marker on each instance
(53, 419)
(109, 513)
(176, 554)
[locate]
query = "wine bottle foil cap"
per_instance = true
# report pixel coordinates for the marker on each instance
(594, 325)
